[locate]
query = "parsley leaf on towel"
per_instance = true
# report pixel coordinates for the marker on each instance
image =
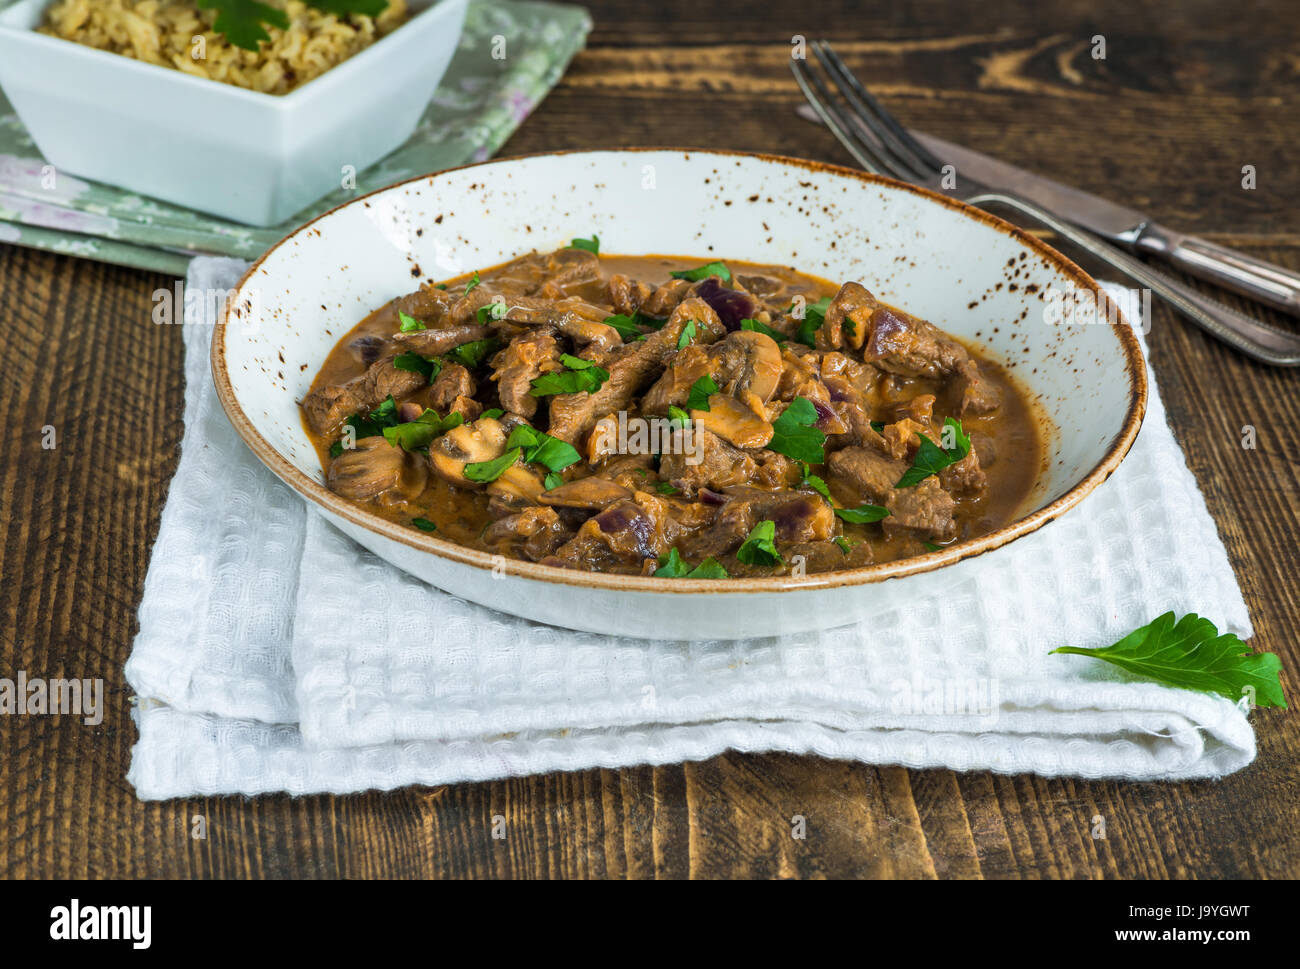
(1192, 655)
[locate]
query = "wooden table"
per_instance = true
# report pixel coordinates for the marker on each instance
(1180, 103)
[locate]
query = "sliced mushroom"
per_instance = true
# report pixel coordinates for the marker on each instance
(747, 360)
(734, 422)
(594, 493)
(483, 440)
(376, 468)
(519, 482)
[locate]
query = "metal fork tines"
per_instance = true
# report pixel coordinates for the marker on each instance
(883, 146)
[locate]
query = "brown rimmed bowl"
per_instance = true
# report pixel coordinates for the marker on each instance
(974, 275)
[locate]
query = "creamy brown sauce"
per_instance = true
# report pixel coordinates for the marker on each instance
(461, 515)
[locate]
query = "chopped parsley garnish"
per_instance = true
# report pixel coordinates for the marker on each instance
(672, 566)
(495, 310)
(794, 436)
(469, 286)
(678, 416)
(814, 482)
(474, 353)
(441, 286)
(491, 470)
(409, 323)
(418, 364)
(625, 325)
(863, 514)
(700, 391)
(757, 327)
(1191, 654)
(814, 315)
(664, 488)
(543, 449)
(878, 426)
(372, 424)
(492, 413)
(336, 449)
(591, 245)
(931, 547)
(424, 525)
(760, 547)
(931, 458)
(687, 335)
(710, 568)
(704, 272)
(582, 375)
(845, 545)
(419, 432)
(552, 480)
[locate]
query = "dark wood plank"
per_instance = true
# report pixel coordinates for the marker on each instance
(1180, 103)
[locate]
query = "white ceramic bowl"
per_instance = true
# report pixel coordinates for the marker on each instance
(243, 155)
(972, 274)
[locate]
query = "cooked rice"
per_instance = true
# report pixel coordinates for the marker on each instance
(164, 32)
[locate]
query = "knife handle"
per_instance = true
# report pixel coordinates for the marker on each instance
(1258, 340)
(1259, 280)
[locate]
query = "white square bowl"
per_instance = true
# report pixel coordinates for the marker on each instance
(239, 154)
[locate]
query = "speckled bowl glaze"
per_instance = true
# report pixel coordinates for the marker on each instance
(972, 274)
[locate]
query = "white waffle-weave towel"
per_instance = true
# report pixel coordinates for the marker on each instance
(276, 655)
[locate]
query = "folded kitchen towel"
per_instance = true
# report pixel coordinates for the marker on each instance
(274, 654)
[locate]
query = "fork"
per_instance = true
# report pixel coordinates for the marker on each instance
(884, 147)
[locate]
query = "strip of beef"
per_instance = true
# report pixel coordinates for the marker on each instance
(665, 299)
(524, 359)
(966, 477)
(863, 475)
(533, 532)
(465, 308)
(452, 392)
(428, 304)
(848, 318)
(743, 362)
(327, 407)
(626, 294)
(976, 394)
(900, 438)
(577, 319)
(434, 343)
(567, 268)
(632, 368)
(909, 346)
(799, 516)
(828, 556)
(711, 464)
(626, 537)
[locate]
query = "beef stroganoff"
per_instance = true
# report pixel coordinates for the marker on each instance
(659, 415)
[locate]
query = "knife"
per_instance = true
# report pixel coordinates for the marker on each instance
(1129, 228)
(1126, 227)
